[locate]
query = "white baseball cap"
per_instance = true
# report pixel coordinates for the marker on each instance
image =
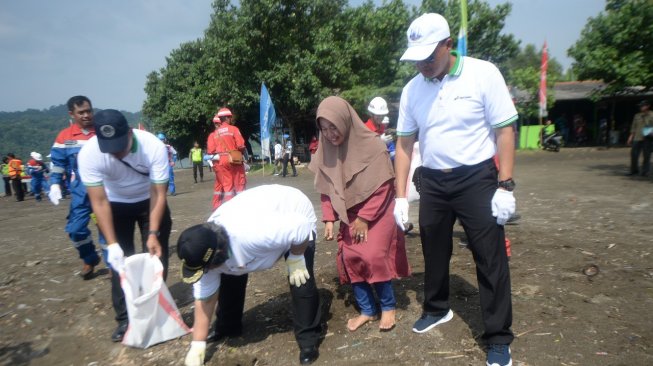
(423, 36)
(36, 156)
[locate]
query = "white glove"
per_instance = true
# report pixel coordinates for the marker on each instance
(55, 193)
(116, 257)
(297, 272)
(401, 212)
(195, 355)
(503, 205)
(386, 138)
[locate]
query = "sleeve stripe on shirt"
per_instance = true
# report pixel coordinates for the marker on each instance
(159, 181)
(97, 184)
(406, 133)
(507, 122)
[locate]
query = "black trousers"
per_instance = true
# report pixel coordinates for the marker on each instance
(305, 303)
(466, 193)
(198, 165)
(639, 147)
(288, 158)
(18, 189)
(7, 185)
(125, 218)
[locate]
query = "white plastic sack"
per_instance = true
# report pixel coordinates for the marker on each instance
(153, 314)
(411, 192)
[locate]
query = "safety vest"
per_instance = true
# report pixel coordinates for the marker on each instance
(15, 167)
(196, 155)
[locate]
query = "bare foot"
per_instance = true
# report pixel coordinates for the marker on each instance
(387, 320)
(357, 322)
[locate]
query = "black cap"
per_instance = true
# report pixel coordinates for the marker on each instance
(112, 131)
(644, 102)
(199, 247)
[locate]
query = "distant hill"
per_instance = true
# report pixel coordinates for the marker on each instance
(35, 130)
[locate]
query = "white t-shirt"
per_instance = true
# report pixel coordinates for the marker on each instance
(262, 224)
(456, 117)
(122, 183)
(278, 151)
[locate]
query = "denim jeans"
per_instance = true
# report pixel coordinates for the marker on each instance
(365, 297)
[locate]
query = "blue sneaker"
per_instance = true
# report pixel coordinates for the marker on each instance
(498, 355)
(428, 322)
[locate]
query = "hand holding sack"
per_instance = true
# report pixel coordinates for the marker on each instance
(116, 257)
(401, 212)
(55, 194)
(195, 355)
(297, 271)
(503, 206)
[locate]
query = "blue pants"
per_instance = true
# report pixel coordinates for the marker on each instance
(171, 182)
(77, 226)
(38, 184)
(365, 297)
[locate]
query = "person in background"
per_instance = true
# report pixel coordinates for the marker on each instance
(355, 178)
(37, 169)
(229, 177)
(195, 156)
(562, 125)
(172, 159)
(15, 175)
(5, 176)
(378, 109)
(64, 164)
(217, 256)
(312, 146)
(278, 157)
(126, 174)
(641, 144)
(287, 157)
(463, 112)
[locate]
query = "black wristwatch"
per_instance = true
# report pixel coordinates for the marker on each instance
(154, 232)
(508, 184)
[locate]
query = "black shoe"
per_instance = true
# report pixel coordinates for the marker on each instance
(632, 173)
(87, 271)
(120, 331)
(308, 355)
(216, 335)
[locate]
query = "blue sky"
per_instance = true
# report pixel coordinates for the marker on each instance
(52, 50)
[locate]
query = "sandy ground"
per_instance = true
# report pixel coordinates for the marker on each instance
(577, 210)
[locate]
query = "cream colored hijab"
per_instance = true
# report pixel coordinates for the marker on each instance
(351, 172)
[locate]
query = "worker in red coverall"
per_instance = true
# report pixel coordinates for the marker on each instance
(229, 178)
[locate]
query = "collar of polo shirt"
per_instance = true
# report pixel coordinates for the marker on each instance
(454, 71)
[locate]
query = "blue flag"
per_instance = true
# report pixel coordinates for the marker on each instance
(268, 118)
(462, 33)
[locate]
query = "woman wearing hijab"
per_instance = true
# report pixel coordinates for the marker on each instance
(354, 174)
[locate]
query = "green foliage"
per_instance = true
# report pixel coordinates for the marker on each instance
(617, 46)
(35, 130)
(304, 50)
(524, 74)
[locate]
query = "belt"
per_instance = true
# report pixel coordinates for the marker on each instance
(459, 169)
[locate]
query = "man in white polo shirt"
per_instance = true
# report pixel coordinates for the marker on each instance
(250, 233)
(125, 172)
(462, 110)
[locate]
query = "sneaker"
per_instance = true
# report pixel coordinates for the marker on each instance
(428, 322)
(498, 355)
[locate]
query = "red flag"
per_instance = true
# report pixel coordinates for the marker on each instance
(542, 93)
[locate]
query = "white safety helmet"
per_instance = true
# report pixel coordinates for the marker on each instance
(378, 106)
